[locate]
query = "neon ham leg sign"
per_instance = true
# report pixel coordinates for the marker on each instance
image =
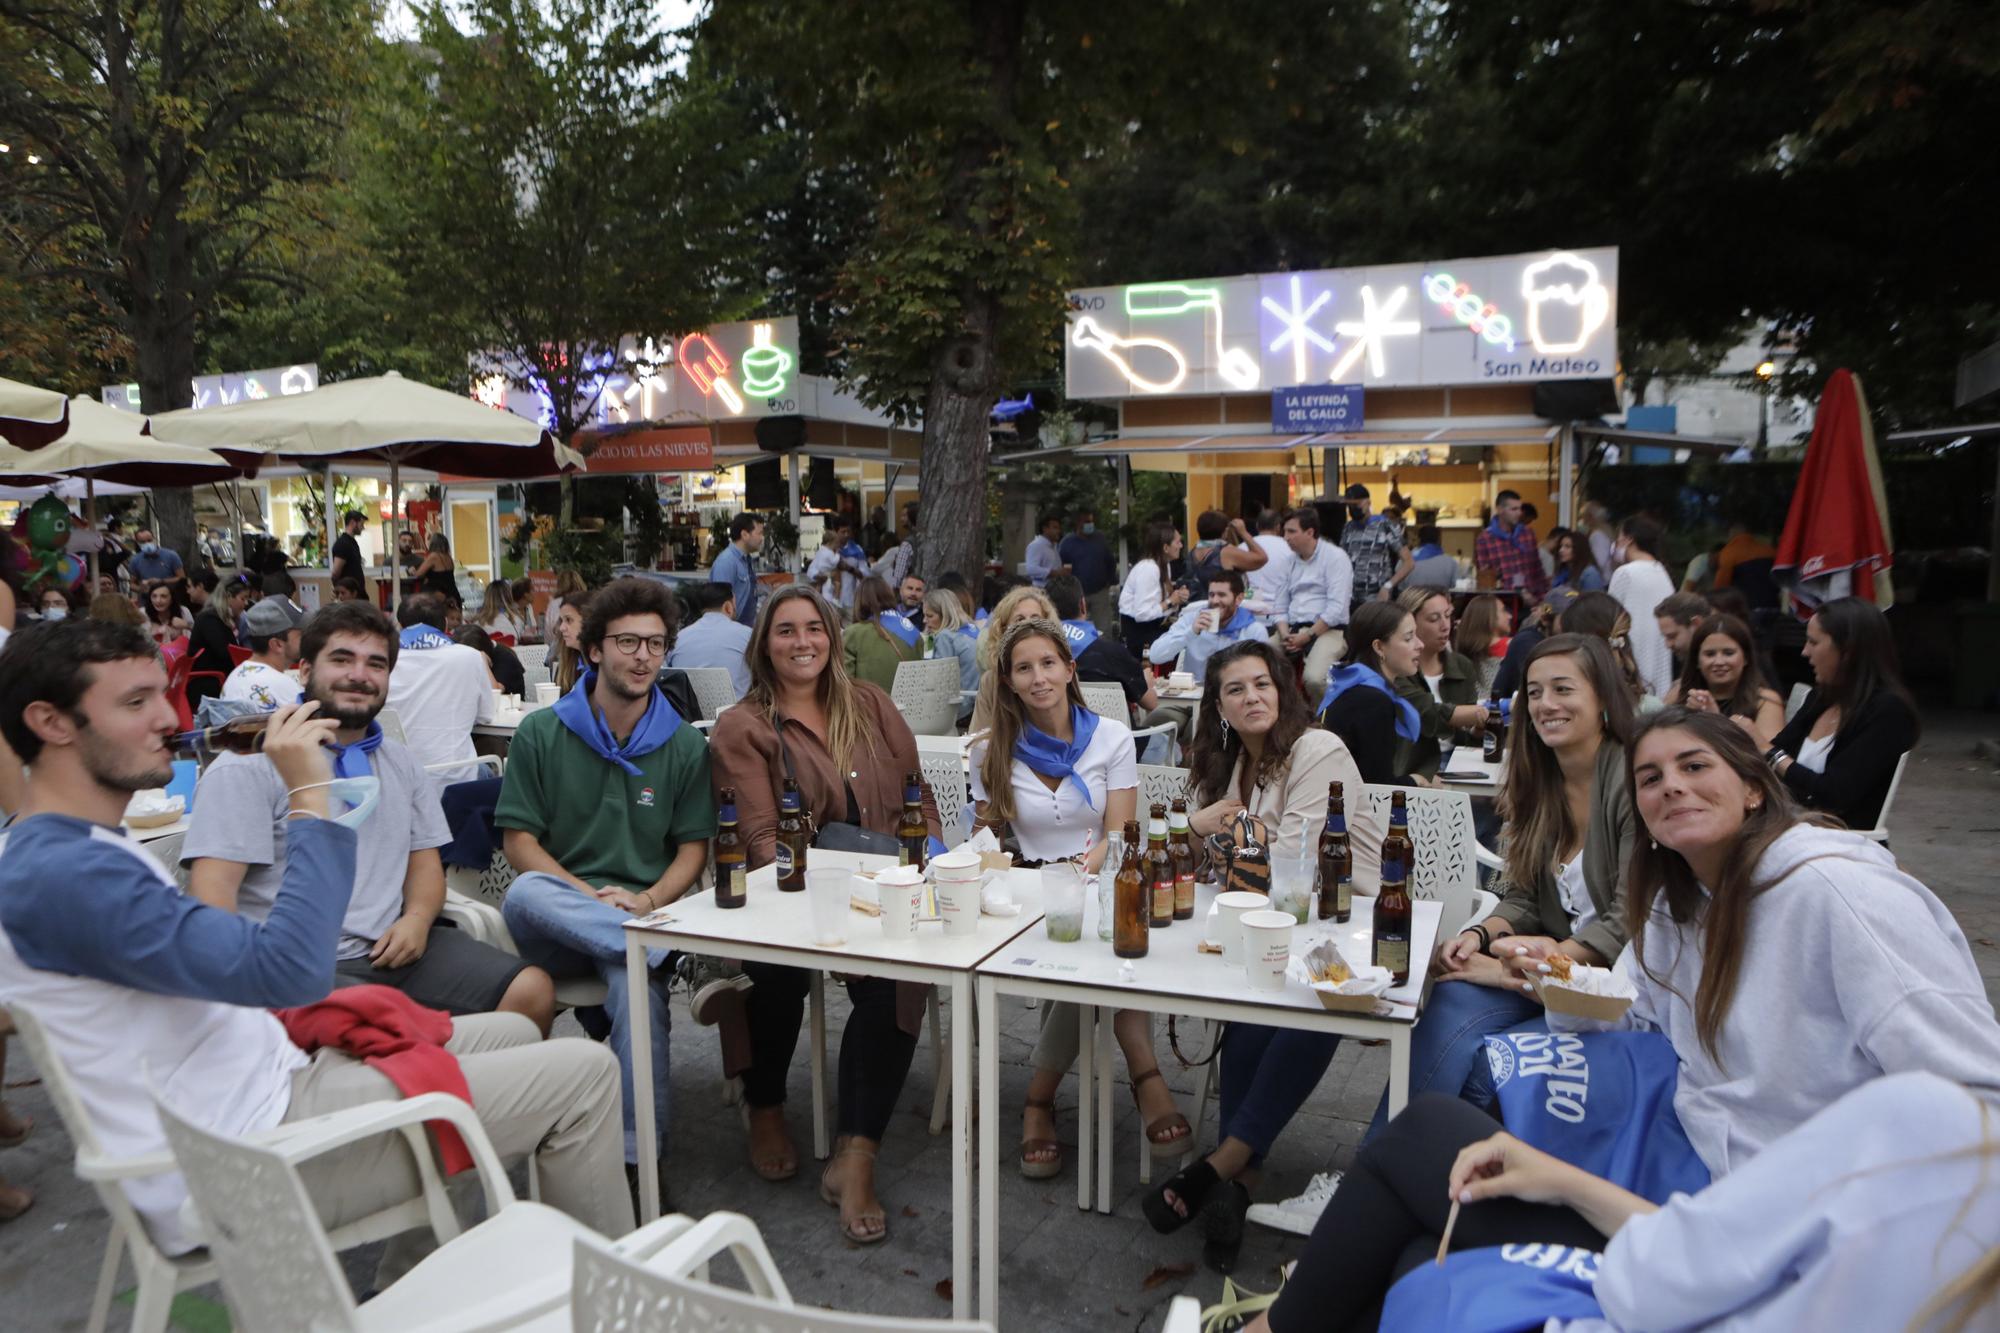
(705, 365)
(1088, 333)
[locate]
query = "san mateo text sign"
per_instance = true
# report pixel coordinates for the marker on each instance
(1310, 409)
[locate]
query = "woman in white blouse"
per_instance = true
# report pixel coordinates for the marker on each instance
(1256, 751)
(1148, 601)
(1057, 775)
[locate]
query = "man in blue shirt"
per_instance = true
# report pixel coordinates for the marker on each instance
(1204, 630)
(733, 566)
(153, 561)
(715, 639)
(138, 984)
(1088, 556)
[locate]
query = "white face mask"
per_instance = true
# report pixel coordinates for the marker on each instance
(55, 613)
(360, 796)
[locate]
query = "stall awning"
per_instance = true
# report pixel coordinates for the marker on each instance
(1700, 444)
(1225, 443)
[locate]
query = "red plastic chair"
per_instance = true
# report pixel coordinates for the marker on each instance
(180, 670)
(238, 655)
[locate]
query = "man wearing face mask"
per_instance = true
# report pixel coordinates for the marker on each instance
(235, 846)
(1089, 558)
(153, 561)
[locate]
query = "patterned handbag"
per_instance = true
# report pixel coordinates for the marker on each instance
(1243, 849)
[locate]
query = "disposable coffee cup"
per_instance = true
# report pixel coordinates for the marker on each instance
(960, 876)
(547, 693)
(1267, 947)
(900, 891)
(827, 893)
(1228, 920)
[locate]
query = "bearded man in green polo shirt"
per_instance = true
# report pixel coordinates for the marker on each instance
(607, 811)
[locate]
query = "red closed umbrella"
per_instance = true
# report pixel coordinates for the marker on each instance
(1836, 538)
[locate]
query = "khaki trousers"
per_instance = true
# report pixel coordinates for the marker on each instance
(556, 1099)
(1321, 657)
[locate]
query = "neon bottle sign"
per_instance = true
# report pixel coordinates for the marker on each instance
(1150, 300)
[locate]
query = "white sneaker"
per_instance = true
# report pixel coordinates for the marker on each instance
(1298, 1214)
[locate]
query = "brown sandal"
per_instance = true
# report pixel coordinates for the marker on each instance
(14, 1201)
(1161, 1133)
(1036, 1167)
(849, 1227)
(773, 1156)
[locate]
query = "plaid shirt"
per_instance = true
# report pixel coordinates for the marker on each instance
(1373, 546)
(1513, 557)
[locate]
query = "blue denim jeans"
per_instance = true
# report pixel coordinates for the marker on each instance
(1447, 1048)
(1267, 1074)
(568, 934)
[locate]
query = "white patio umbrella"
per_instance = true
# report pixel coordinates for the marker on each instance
(66, 488)
(30, 417)
(104, 444)
(385, 418)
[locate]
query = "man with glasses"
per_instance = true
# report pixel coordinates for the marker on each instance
(606, 812)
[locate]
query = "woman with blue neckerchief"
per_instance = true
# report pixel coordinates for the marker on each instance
(881, 637)
(950, 634)
(1360, 703)
(1058, 776)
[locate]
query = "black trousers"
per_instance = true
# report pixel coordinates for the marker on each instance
(874, 1052)
(1390, 1210)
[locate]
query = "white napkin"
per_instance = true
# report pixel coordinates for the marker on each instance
(1587, 980)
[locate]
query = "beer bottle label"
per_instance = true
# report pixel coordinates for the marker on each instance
(739, 880)
(903, 855)
(1184, 890)
(783, 860)
(1393, 955)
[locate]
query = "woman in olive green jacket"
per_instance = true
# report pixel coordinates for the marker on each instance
(1452, 705)
(880, 639)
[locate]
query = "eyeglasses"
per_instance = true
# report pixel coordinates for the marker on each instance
(629, 644)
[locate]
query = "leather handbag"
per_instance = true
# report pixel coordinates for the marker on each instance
(839, 835)
(1243, 849)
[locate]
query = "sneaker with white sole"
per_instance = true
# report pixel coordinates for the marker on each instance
(1298, 1213)
(711, 983)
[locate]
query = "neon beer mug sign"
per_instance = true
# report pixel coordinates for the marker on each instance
(1547, 315)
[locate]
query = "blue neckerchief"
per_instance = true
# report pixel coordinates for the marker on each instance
(899, 625)
(1427, 550)
(1052, 758)
(979, 616)
(421, 636)
(1512, 538)
(1081, 634)
(853, 551)
(351, 761)
(655, 729)
(1237, 624)
(1344, 678)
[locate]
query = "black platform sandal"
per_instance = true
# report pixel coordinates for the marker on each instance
(1190, 1188)
(1222, 1225)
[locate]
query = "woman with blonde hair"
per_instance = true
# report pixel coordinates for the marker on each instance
(1058, 780)
(848, 749)
(569, 583)
(949, 634)
(1023, 603)
(497, 612)
(565, 642)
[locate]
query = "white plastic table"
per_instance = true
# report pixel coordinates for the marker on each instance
(774, 927)
(1173, 977)
(1466, 759)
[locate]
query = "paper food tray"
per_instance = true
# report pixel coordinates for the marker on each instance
(1600, 1008)
(1316, 961)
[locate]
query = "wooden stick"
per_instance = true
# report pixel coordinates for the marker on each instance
(1444, 1241)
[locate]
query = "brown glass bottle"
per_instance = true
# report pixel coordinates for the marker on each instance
(1396, 843)
(731, 871)
(1392, 917)
(239, 735)
(1159, 869)
(1181, 849)
(794, 836)
(913, 837)
(1335, 889)
(1493, 743)
(1130, 909)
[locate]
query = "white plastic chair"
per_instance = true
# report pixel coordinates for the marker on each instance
(927, 695)
(946, 775)
(1108, 700)
(1796, 700)
(1447, 867)
(278, 1268)
(391, 723)
(160, 1276)
(713, 689)
(534, 669)
(492, 761)
(472, 898)
(167, 851)
(1161, 784)
(613, 1293)
(1880, 833)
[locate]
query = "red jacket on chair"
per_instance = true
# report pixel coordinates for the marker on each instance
(389, 1032)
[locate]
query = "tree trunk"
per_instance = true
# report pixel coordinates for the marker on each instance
(951, 515)
(163, 341)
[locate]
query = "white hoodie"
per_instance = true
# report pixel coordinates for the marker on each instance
(1851, 970)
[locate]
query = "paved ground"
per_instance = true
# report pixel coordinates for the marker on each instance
(1062, 1269)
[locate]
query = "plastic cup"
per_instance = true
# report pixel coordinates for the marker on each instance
(827, 891)
(1267, 948)
(1062, 902)
(960, 876)
(547, 693)
(900, 891)
(1445, 747)
(1292, 886)
(1228, 918)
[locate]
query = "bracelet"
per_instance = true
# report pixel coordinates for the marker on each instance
(301, 814)
(1485, 937)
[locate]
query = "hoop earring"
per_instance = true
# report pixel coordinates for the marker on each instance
(1653, 843)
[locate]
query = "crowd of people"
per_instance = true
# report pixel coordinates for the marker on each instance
(1663, 815)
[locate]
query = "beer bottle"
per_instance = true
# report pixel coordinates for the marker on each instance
(793, 839)
(1493, 743)
(1159, 869)
(1129, 938)
(1336, 860)
(912, 834)
(1181, 849)
(731, 872)
(239, 735)
(1396, 844)
(1392, 917)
